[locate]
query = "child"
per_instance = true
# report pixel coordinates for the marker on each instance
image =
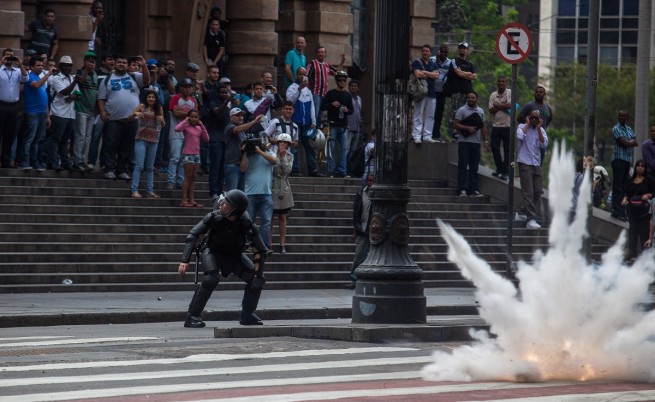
(194, 131)
(151, 119)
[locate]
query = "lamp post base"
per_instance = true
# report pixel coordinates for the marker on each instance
(389, 302)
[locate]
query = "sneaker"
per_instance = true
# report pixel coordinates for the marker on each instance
(40, 167)
(110, 175)
(79, 167)
(520, 217)
(439, 140)
(417, 142)
(477, 194)
(90, 167)
(124, 176)
(25, 166)
(532, 224)
(316, 174)
(429, 141)
(503, 177)
(193, 321)
(283, 250)
(170, 186)
(57, 168)
(462, 193)
(351, 285)
(496, 174)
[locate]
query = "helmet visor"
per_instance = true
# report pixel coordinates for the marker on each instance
(224, 205)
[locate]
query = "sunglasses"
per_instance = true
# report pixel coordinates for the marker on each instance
(341, 80)
(534, 117)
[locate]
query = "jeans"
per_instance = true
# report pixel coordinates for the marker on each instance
(423, 130)
(262, 204)
(438, 115)
(33, 135)
(216, 170)
(310, 153)
(56, 144)
(317, 107)
(144, 160)
(469, 156)
(118, 146)
(620, 176)
(340, 135)
(163, 151)
(233, 177)
(531, 188)
(498, 135)
(175, 168)
(8, 123)
(83, 135)
(94, 145)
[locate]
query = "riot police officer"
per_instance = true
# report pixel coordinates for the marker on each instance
(229, 231)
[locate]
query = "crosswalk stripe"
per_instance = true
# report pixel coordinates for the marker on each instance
(77, 341)
(202, 358)
(36, 337)
(273, 368)
(163, 389)
(620, 396)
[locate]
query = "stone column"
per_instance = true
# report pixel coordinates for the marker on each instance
(421, 31)
(252, 42)
(12, 22)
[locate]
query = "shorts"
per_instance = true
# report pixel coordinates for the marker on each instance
(195, 159)
(281, 211)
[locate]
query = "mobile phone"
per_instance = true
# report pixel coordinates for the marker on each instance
(269, 86)
(13, 59)
(305, 79)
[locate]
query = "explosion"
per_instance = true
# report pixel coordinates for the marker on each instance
(569, 319)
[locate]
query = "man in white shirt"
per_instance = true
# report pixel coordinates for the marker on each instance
(12, 74)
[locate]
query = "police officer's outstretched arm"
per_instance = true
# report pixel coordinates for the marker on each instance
(191, 240)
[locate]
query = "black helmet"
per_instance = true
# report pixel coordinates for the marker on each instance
(341, 74)
(238, 200)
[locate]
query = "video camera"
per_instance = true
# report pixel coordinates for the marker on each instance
(252, 141)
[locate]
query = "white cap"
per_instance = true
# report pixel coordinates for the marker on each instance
(236, 111)
(65, 60)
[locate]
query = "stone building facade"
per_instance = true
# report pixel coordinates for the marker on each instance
(260, 32)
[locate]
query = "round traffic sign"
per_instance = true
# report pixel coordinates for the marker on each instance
(514, 43)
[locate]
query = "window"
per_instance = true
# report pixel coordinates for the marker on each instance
(608, 55)
(630, 7)
(610, 7)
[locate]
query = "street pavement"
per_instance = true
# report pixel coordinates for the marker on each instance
(318, 313)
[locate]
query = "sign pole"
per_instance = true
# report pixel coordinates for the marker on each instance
(513, 44)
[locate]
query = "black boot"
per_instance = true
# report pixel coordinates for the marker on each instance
(193, 321)
(250, 319)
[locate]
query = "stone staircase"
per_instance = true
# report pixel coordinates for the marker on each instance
(56, 227)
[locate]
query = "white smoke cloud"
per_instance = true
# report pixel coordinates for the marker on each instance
(569, 319)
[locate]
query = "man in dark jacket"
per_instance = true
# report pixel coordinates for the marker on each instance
(361, 219)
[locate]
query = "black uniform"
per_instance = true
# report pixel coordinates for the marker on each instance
(222, 252)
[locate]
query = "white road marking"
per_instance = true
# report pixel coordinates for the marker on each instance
(272, 368)
(620, 396)
(202, 358)
(35, 337)
(78, 341)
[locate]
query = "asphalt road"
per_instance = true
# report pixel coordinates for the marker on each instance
(166, 362)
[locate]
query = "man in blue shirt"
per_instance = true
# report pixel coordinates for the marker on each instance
(532, 139)
(624, 142)
(424, 68)
(36, 115)
(294, 59)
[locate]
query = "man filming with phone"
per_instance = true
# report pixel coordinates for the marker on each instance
(12, 74)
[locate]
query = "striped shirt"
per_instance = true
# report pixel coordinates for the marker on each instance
(621, 152)
(318, 72)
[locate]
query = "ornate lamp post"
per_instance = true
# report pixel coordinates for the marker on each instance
(389, 283)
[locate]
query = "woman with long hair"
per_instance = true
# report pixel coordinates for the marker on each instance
(639, 192)
(194, 132)
(151, 119)
(282, 196)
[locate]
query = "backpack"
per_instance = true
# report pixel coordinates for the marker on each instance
(417, 88)
(356, 162)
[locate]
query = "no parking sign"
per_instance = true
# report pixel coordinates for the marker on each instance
(514, 43)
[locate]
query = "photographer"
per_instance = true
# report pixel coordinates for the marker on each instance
(12, 74)
(257, 165)
(234, 134)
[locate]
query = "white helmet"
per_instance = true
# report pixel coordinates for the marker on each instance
(318, 140)
(284, 138)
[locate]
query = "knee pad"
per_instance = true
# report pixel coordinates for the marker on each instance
(210, 281)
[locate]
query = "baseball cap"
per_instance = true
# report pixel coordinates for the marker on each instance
(463, 44)
(65, 60)
(224, 80)
(151, 62)
(186, 82)
(30, 52)
(90, 54)
(236, 111)
(192, 67)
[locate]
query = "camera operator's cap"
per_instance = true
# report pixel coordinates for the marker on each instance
(89, 55)
(236, 111)
(224, 80)
(192, 67)
(151, 62)
(65, 60)
(31, 52)
(463, 44)
(186, 82)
